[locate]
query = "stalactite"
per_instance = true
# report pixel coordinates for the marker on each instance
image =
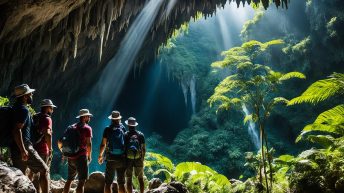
(108, 10)
(101, 37)
(77, 23)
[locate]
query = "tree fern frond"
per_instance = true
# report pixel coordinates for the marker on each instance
(330, 121)
(321, 90)
(334, 116)
(290, 75)
(324, 140)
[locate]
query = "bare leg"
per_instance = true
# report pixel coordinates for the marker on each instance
(129, 185)
(67, 186)
(80, 187)
(121, 188)
(142, 185)
(107, 188)
(44, 182)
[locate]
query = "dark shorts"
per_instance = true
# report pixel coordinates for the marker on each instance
(135, 166)
(78, 167)
(35, 163)
(115, 166)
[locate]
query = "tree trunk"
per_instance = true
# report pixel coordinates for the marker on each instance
(269, 161)
(263, 155)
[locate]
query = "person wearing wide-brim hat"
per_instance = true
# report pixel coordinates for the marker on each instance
(42, 134)
(84, 113)
(135, 153)
(113, 143)
(23, 154)
(78, 164)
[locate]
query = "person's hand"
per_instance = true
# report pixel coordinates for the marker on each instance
(50, 154)
(89, 159)
(100, 160)
(24, 155)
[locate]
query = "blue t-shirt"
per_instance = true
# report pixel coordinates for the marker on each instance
(21, 114)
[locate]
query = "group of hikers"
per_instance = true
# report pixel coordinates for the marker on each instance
(123, 151)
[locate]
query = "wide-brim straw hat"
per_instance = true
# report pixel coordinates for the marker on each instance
(83, 113)
(22, 90)
(115, 115)
(131, 122)
(47, 103)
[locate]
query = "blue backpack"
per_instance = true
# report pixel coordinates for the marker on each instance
(71, 141)
(6, 124)
(115, 140)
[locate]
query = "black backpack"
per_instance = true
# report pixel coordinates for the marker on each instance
(71, 141)
(115, 140)
(6, 126)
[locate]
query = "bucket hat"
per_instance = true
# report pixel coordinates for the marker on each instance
(131, 122)
(84, 112)
(22, 90)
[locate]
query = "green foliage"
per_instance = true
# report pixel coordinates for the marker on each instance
(330, 121)
(248, 27)
(301, 47)
(4, 152)
(244, 56)
(321, 90)
(203, 177)
(4, 101)
(197, 177)
(252, 85)
(159, 164)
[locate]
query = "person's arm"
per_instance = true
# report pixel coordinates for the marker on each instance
(89, 149)
(18, 138)
(143, 151)
(143, 147)
(101, 150)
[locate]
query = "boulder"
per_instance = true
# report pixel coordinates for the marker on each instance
(95, 183)
(13, 180)
(173, 187)
(56, 186)
(154, 183)
(179, 186)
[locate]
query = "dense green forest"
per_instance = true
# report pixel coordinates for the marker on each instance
(300, 121)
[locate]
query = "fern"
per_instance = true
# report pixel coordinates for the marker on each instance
(321, 90)
(330, 121)
(290, 75)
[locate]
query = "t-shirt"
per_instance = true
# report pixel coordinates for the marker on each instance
(85, 132)
(21, 114)
(44, 123)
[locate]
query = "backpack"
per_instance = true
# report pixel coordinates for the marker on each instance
(115, 140)
(134, 146)
(36, 134)
(6, 124)
(71, 141)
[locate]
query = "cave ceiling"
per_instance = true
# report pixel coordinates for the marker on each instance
(61, 46)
